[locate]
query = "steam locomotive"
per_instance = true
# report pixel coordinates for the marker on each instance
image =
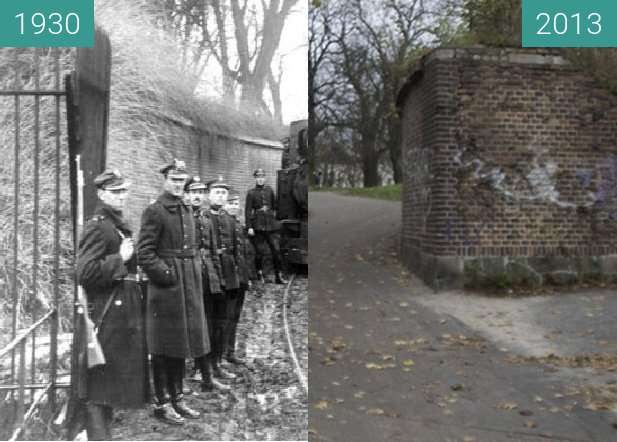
(292, 196)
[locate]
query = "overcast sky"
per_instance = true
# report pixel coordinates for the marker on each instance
(294, 47)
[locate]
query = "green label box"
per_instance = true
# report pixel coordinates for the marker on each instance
(46, 23)
(569, 23)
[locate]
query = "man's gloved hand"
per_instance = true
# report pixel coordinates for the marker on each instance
(126, 249)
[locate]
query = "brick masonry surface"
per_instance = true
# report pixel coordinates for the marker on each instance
(206, 154)
(510, 157)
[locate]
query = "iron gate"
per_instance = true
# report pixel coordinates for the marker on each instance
(35, 230)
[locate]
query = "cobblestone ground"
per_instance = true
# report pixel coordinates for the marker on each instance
(267, 401)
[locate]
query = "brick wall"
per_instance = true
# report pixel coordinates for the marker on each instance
(206, 154)
(511, 168)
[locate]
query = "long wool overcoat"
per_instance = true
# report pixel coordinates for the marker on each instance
(175, 319)
(244, 256)
(207, 247)
(123, 380)
(224, 228)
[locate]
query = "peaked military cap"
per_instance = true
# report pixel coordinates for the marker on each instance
(195, 183)
(218, 183)
(111, 179)
(177, 168)
(233, 196)
(259, 173)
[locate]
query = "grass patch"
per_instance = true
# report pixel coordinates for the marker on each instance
(390, 193)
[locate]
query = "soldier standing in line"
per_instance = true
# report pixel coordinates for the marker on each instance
(176, 322)
(262, 225)
(106, 268)
(195, 191)
(224, 228)
(233, 208)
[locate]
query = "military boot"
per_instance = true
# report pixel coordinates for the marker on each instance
(185, 410)
(214, 384)
(278, 279)
(221, 373)
(232, 359)
(98, 424)
(167, 414)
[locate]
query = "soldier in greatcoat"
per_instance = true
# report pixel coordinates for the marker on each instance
(106, 268)
(260, 207)
(176, 322)
(233, 208)
(195, 191)
(227, 252)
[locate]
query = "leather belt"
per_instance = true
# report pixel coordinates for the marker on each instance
(131, 277)
(177, 253)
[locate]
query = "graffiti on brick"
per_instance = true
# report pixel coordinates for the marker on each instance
(584, 177)
(471, 236)
(605, 197)
(533, 182)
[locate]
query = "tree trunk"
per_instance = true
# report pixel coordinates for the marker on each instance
(394, 148)
(312, 148)
(370, 164)
(275, 90)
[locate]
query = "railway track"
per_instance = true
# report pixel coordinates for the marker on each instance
(299, 370)
(278, 388)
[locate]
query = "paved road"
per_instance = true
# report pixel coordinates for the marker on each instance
(387, 364)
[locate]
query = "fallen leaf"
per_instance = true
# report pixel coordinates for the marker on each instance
(408, 362)
(321, 405)
(507, 406)
(373, 366)
(328, 361)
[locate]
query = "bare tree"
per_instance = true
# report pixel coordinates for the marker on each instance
(241, 35)
(321, 81)
(371, 47)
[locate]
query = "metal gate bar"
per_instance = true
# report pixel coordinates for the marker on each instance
(37, 164)
(38, 391)
(15, 224)
(53, 360)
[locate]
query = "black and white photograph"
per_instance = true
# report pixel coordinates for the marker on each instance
(154, 226)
